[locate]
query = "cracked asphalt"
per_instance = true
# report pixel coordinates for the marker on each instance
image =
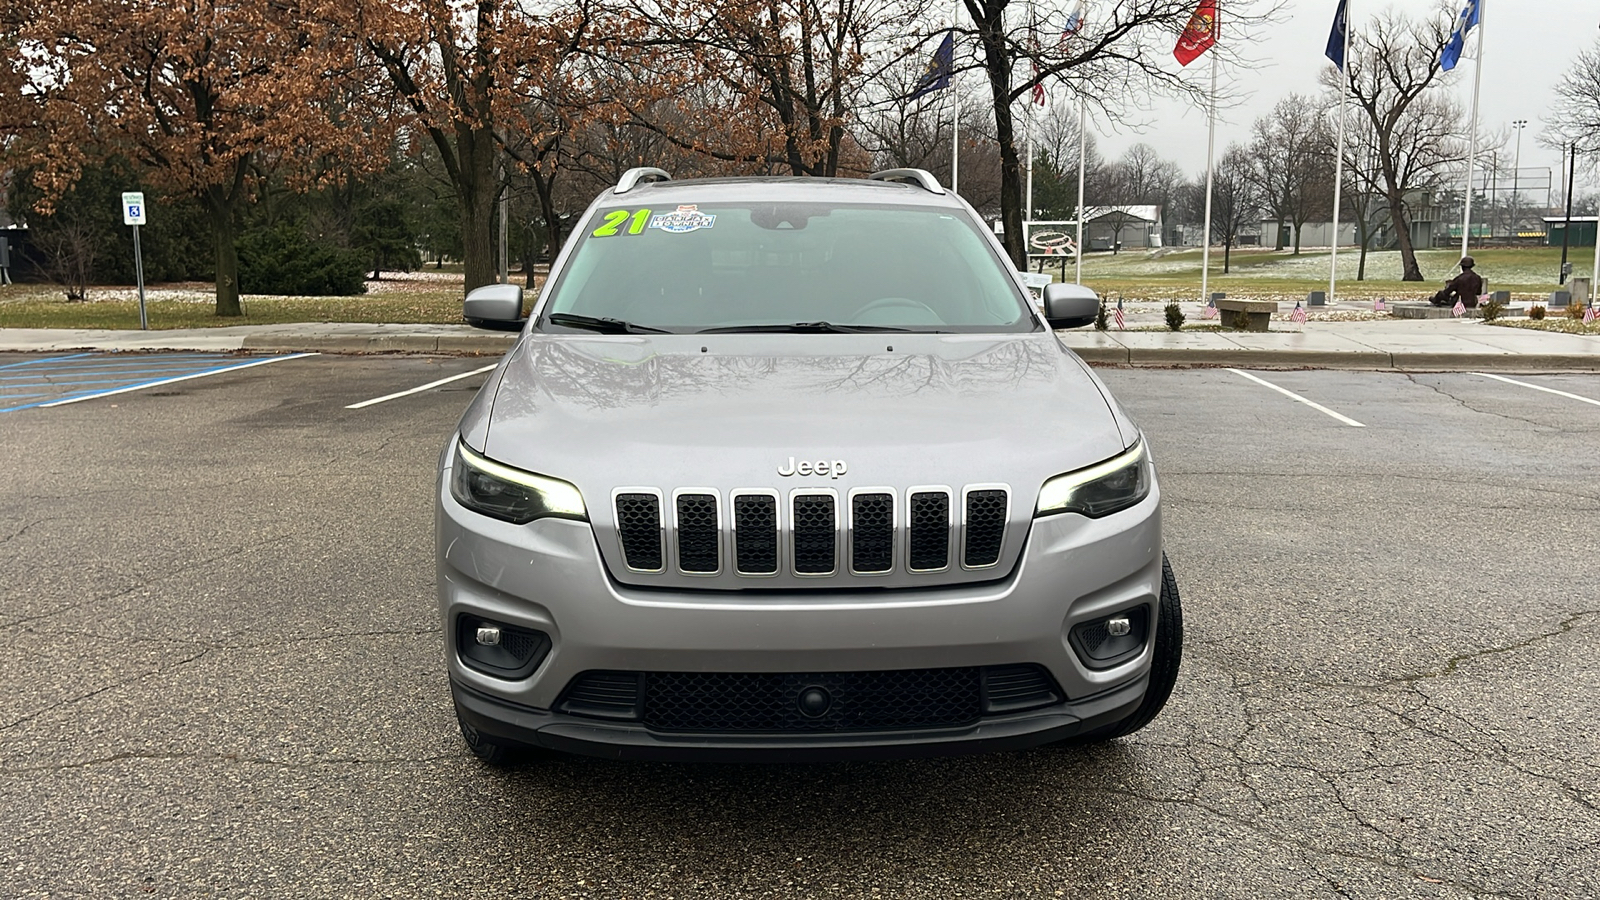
(224, 678)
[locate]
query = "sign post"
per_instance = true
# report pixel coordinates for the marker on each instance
(133, 213)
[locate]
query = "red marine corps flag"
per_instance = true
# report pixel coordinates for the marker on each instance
(1200, 35)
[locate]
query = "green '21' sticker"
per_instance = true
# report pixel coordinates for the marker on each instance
(614, 219)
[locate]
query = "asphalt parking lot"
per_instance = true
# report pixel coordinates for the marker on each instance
(224, 677)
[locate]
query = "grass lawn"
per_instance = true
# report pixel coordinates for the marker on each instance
(1528, 273)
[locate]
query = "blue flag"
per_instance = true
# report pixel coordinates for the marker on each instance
(1336, 37)
(1458, 38)
(940, 68)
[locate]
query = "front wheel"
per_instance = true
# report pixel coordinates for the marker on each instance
(1167, 656)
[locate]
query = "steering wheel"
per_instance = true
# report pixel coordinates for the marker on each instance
(927, 314)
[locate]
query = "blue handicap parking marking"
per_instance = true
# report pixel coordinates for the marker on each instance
(59, 380)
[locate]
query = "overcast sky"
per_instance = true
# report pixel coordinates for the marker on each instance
(1528, 45)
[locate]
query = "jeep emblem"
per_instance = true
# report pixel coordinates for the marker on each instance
(833, 468)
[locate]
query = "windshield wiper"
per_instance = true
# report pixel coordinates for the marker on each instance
(805, 327)
(602, 324)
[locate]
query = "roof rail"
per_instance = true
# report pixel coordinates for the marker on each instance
(641, 175)
(921, 176)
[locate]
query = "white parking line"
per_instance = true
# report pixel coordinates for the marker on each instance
(417, 390)
(1293, 396)
(1536, 387)
(150, 384)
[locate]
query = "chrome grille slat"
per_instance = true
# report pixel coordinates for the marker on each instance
(928, 520)
(871, 532)
(699, 533)
(755, 534)
(639, 529)
(815, 532)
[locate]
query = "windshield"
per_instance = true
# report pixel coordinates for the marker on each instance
(693, 268)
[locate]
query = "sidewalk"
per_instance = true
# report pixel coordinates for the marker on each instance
(1427, 344)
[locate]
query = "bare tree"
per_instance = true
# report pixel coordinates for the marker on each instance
(1577, 107)
(1293, 171)
(1236, 199)
(1393, 73)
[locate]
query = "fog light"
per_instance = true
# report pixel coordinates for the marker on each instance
(498, 649)
(1111, 640)
(1116, 626)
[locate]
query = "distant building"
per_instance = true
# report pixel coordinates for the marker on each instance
(1583, 230)
(1134, 227)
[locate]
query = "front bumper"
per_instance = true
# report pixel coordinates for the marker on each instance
(573, 734)
(548, 576)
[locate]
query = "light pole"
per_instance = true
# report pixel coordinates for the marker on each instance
(1516, 171)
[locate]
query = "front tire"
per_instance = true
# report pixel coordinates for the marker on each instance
(1166, 659)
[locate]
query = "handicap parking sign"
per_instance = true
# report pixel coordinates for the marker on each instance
(133, 211)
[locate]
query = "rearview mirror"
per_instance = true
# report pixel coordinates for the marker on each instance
(1070, 305)
(495, 306)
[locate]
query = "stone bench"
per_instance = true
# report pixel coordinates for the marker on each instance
(1259, 312)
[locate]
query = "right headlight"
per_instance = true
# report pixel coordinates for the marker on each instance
(495, 489)
(1101, 489)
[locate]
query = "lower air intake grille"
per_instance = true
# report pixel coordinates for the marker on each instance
(755, 534)
(815, 528)
(639, 527)
(1012, 688)
(753, 702)
(986, 527)
(929, 515)
(698, 534)
(603, 695)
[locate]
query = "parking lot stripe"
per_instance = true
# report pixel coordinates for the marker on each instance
(417, 390)
(161, 381)
(1293, 396)
(1536, 387)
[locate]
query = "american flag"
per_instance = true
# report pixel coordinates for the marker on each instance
(1210, 312)
(1588, 315)
(1378, 305)
(1122, 323)
(1459, 310)
(1299, 314)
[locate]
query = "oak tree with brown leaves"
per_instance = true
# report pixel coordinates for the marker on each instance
(203, 95)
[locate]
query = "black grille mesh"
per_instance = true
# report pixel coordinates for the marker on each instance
(754, 702)
(639, 528)
(814, 534)
(986, 527)
(697, 533)
(872, 532)
(755, 535)
(929, 515)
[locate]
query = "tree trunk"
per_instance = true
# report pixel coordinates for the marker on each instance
(1277, 239)
(997, 64)
(219, 207)
(1227, 255)
(1402, 235)
(475, 199)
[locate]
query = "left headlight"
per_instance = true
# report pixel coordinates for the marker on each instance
(485, 486)
(1101, 489)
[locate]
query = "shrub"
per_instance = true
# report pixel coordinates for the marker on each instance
(1491, 310)
(1102, 319)
(1239, 319)
(1575, 309)
(1536, 311)
(283, 260)
(1174, 317)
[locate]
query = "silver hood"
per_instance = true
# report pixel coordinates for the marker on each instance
(729, 411)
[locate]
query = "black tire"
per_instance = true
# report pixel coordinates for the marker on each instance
(1164, 666)
(486, 749)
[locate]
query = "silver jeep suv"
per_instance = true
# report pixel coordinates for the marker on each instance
(793, 468)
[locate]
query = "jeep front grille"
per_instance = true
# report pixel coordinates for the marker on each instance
(876, 531)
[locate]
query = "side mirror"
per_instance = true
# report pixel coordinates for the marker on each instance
(1070, 305)
(497, 307)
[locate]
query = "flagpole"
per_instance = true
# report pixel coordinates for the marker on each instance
(1338, 165)
(1472, 137)
(1211, 148)
(1083, 145)
(955, 107)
